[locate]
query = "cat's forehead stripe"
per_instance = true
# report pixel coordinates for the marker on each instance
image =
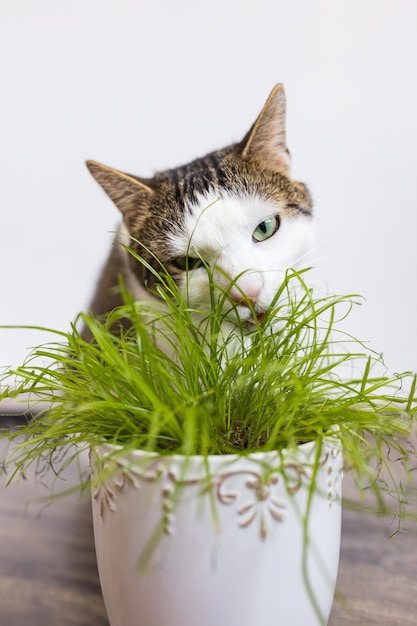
(198, 177)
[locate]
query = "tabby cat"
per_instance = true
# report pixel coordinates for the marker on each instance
(237, 208)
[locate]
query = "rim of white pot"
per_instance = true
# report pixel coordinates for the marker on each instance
(305, 449)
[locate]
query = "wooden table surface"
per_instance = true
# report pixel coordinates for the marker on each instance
(48, 573)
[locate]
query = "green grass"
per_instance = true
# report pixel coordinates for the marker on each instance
(177, 382)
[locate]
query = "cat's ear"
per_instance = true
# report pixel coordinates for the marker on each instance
(129, 194)
(266, 139)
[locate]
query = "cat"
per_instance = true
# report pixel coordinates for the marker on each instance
(236, 208)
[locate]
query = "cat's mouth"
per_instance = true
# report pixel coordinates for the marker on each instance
(255, 319)
(251, 317)
(247, 314)
(258, 317)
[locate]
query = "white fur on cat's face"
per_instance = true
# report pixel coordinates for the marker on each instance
(221, 229)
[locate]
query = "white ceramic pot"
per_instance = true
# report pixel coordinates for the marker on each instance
(178, 548)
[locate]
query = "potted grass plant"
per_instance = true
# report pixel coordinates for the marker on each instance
(216, 451)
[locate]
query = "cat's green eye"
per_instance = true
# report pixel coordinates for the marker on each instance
(266, 229)
(186, 263)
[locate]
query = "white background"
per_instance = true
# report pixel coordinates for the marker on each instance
(148, 85)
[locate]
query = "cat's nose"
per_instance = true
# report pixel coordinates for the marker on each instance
(247, 297)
